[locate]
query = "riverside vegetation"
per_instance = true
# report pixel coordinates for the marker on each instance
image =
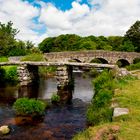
(125, 92)
(29, 107)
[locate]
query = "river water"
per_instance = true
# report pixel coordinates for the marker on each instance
(59, 123)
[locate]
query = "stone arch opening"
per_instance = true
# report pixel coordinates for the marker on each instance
(99, 60)
(122, 63)
(136, 60)
(75, 60)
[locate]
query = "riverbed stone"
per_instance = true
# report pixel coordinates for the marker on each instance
(120, 111)
(4, 129)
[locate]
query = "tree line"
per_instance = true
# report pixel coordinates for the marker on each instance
(70, 42)
(10, 46)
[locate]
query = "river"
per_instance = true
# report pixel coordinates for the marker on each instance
(59, 123)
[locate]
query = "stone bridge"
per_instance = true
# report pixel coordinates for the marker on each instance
(110, 57)
(28, 73)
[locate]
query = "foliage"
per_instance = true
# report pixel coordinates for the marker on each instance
(133, 34)
(105, 80)
(55, 98)
(11, 74)
(98, 116)
(127, 46)
(7, 37)
(127, 97)
(29, 107)
(99, 111)
(133, 66)
(47, 71)
(8, 75)
(33, 57)
(3, 59)
(9, 46)
(94, 72)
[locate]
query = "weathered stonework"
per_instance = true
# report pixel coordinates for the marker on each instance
(27, 74)
(64, 77)
(86, 56)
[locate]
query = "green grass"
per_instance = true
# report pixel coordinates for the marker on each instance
(128, 96)
(3, 59)
(34, 57)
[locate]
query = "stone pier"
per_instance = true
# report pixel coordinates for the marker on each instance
(27, 74)
(64, 83)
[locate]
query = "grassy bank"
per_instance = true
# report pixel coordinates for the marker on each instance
(125, 127)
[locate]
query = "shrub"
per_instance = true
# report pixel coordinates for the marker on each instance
(3, 59)
(103, 81)
(103, 98)
(29, 107)
(98, 115)
(34, 57)
(55, 98)
(133, 66)
(11, 74)
(99, 111)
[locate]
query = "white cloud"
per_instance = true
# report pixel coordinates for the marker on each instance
(112, 18)
(103, 17)
(21, 14)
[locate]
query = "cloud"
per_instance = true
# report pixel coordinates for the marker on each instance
(102, 17)
(21, 14)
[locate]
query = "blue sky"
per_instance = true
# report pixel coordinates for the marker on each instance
(61, 4)
(38, 19)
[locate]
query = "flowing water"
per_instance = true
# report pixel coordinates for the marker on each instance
(59, 123)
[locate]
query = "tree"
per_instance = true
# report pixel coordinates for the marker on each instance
(133, 34)
(115, 42)
(7, 37)
(127, 46)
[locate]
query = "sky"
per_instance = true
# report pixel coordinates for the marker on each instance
(38, 19)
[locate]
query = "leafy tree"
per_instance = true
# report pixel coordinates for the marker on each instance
(47, 44)
(115, 42)
(88, 45)
(133, 34)
(7, 37)
(29, 44)
(127, 46)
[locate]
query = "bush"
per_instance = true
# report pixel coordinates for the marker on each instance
(11, 74)
(99, 111)
(105, 80)
(103, 98)
(99, 115)
(8, 75)
(133, 66)
(29, 107)
(3, 59)
(55, 98)
(34, 57)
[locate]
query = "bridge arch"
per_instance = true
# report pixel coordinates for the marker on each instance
(99, 60)
(122, 62)
(74, 60)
